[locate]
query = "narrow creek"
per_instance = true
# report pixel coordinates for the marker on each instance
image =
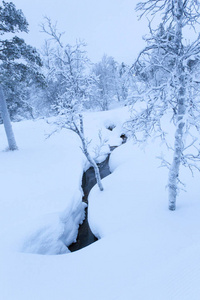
(85, 236)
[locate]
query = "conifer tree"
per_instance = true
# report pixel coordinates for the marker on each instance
(19, 62)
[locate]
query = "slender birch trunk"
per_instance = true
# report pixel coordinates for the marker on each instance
(181, 107)
(88, 156)
(6, 121)
(174, 170)
(94, 165)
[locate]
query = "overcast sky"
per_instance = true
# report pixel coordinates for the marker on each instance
(108, 26)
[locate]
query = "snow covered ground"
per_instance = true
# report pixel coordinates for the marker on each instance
(144, 252)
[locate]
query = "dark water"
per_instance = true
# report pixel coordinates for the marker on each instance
(85, 236)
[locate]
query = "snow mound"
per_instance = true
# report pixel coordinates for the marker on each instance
(52, 233)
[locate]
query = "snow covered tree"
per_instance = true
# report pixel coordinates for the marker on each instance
(19, 63)
(66, 68)
(19, 83)
(123, 82)
(107, 83)
(169, 83)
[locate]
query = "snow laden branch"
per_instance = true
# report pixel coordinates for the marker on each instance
(186, 9)
(168, 75)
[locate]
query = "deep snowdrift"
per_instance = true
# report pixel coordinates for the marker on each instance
(145, 251)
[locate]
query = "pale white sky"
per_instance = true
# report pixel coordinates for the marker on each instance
(107, 26)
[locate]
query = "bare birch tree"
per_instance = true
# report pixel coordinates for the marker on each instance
(169, 71)
(66, 65)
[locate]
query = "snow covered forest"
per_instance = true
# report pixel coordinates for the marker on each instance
(100, 162)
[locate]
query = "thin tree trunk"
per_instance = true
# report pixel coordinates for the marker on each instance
(88, 156)
(6, 121)
(94, 165)
(181, 108)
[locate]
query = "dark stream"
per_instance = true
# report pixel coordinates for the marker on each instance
(85, 236)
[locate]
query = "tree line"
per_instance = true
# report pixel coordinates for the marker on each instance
(36, 83)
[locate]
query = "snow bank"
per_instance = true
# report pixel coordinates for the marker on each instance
(43, 202)
(52, 233)
(97, 128)
(160, 246)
